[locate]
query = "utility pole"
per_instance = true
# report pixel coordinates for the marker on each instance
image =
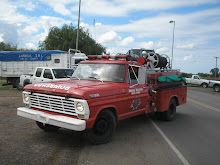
(77, 36)
(216, 66)
(94, 30)
(172, 43)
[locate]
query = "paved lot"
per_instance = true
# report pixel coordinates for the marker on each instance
(194, 134)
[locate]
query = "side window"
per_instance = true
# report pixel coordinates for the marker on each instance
(196, 77)
(57, 60)
(38, 72)
(133, 75)
(78, 60)
(47, 74)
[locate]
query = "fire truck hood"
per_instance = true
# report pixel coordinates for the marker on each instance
(84, 89)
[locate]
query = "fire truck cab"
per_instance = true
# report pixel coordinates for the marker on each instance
(101, 92)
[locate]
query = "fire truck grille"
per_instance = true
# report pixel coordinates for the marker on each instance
(52, 103)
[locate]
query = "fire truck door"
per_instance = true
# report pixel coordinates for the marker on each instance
(137, 91)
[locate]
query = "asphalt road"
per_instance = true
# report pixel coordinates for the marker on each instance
(192, 138)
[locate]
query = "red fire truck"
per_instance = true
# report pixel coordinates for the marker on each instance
(103, 91)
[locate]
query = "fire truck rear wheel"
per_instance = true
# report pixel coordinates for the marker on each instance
(170, 113)
(103, 128)
(47, 127)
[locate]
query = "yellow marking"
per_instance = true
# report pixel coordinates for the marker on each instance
(204, 105)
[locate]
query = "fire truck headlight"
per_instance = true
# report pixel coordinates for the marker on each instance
(80, 107)
(26, 98)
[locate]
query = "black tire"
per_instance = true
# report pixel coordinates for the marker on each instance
(18, 86)
(216, 88)
(47, 127)
(16, 83)
(103, 128)
(26, 82)
(169, 115)
(204, 85)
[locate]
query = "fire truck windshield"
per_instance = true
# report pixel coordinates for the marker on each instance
(101, 72)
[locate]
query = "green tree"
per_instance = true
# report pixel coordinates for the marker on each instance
(65, 38)
(204, 74)
(186, 74)
(212, 71)
(7, 47)
(10, 47)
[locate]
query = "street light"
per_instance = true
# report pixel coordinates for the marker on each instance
(172, 44)
(77, 35)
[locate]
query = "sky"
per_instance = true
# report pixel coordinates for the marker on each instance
(120, 25)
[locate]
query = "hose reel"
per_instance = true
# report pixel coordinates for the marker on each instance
(154, 60)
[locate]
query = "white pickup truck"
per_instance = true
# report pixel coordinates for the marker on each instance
(195, 79)
(215, 85)
(45, 74)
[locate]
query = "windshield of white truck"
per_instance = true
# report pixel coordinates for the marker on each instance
(101, 72)
(62, 73)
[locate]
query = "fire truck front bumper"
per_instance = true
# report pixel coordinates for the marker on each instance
(56, 120)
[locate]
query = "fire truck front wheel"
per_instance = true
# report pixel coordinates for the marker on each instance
(47, 127)
(170, 113)
(103, 128)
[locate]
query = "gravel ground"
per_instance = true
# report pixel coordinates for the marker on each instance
(22, 142)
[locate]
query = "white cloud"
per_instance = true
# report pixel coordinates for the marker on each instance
(20, 29)
(187, 46)
(196, 32)
(31, 46)
(1, 37)
(115, 50)
(61, 7)
(187, 58)
(25, 4)
(98, 24)
(163, 50)
(146, 45)
(118, 8)
(82, 24)
(126, 41)
(109, 37)
(9, 13)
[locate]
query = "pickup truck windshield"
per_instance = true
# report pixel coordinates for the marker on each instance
(101, 72)
(62, 73)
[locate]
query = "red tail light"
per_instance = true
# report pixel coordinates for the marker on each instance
(92, 57)
(123, 57)
(107, 57)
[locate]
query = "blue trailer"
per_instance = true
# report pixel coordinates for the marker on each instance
(13, 64)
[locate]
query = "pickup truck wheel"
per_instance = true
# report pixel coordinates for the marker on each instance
(17, 85)
(204, 85)
(103, 128)
(26, 82)
(47, 127)
(216, 88)
(170, 113)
